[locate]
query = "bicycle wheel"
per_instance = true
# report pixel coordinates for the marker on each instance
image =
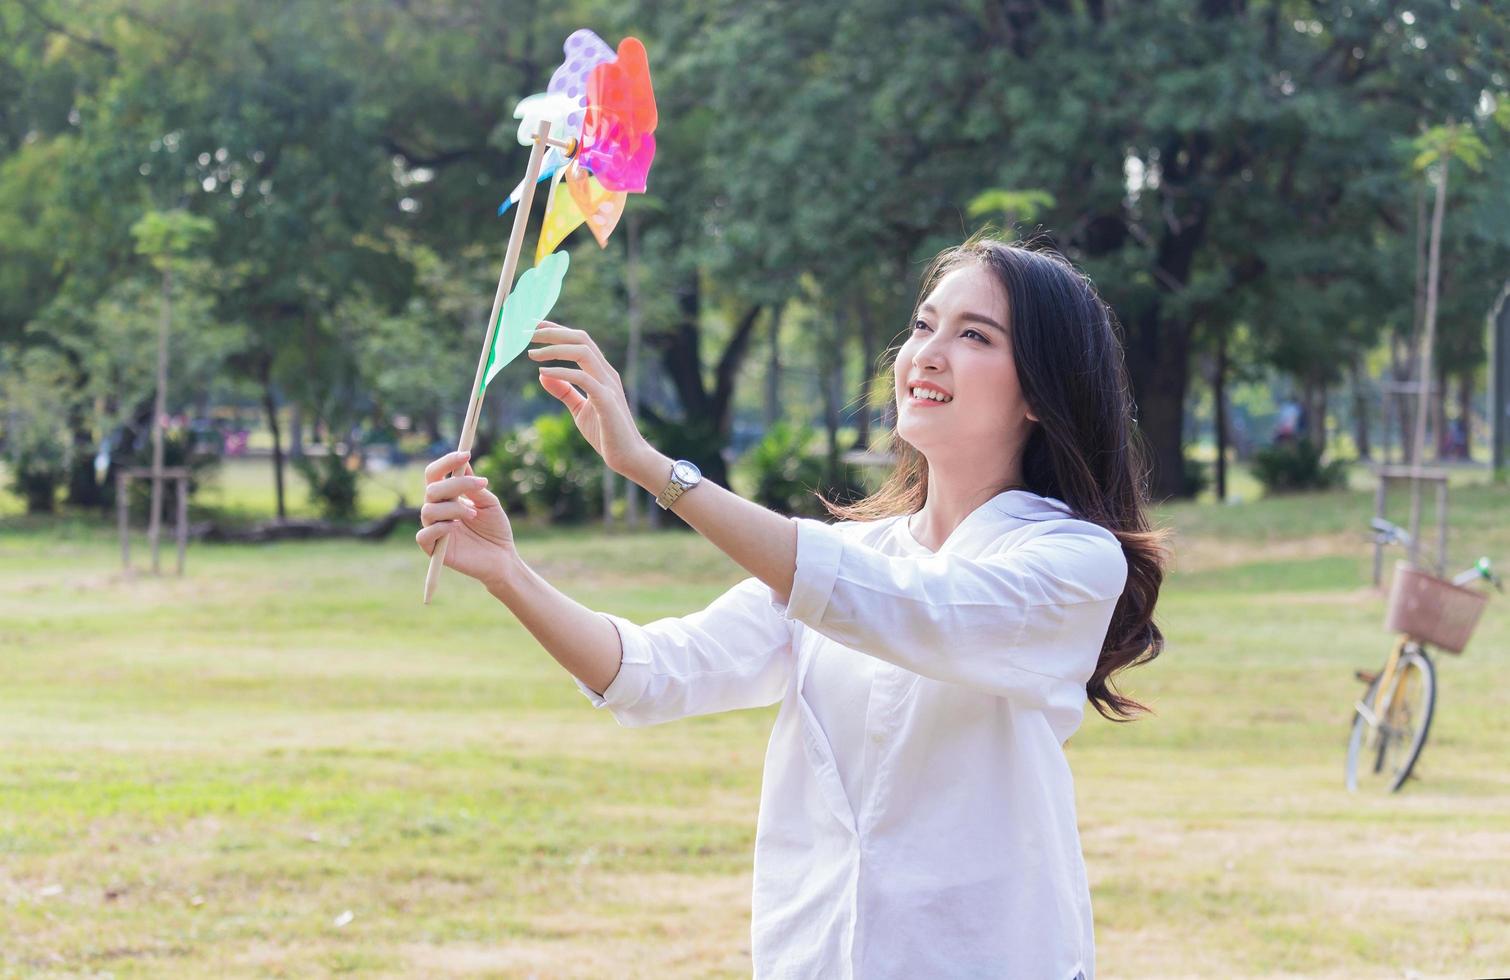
(1389, 748)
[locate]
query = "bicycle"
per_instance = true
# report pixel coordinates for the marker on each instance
(1392, 720)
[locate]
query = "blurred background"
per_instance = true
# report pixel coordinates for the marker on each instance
(265, 234)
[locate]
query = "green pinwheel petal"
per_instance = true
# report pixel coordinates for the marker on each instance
(529, 303)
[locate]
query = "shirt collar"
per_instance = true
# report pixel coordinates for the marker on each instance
(1023, 505)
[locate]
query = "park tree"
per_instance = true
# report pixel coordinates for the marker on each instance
(1196, 146)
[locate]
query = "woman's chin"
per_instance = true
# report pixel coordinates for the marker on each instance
(920, 435)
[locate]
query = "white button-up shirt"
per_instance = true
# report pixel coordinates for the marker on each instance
(917, 815)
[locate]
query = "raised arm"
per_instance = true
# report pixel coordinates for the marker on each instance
(761, 541)
(736, 653)
(1029, 619)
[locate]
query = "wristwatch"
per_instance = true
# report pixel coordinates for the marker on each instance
(684, 476)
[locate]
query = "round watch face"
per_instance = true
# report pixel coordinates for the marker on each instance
(685, 472)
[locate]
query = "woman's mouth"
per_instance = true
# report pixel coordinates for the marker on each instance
(927, 396)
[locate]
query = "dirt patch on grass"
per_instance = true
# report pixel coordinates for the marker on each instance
(1203, 553)
(654, 925)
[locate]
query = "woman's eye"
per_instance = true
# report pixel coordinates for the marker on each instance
(920, 325)
(978, 335)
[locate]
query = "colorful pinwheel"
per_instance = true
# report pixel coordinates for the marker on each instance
(593, 128)
(604, 102)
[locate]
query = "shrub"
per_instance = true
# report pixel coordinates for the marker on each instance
(332, 485)
(36, 472)
(1197, 477)
(789, 477)
(1292, 466)
(548, 469)
(785, 473)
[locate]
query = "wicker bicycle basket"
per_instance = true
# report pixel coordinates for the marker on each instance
(1431, 609)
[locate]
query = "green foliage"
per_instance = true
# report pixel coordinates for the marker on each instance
(1214, 167)
(548, 470)
(786, 472)
(36, 472)
(1012, 206)
(37, 394)
(1295, 465)
(332, 484)
(1452, 142)
(169, 237)
(1197, 477)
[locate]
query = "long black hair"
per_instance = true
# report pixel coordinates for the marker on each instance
(1083, 449)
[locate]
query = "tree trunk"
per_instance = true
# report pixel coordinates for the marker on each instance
(1322, 435)
(1360, 411)
(609, 492)
(831, 382)
(296, 431)
(868, 342)
(1439, 414)
(270, 406)
(1158, 363)
(1499, 385)
(681, 354)
(1313, 405)
(1219, 398)
(1465, 412)
(84, 490)
(773, 367)
(633, 495)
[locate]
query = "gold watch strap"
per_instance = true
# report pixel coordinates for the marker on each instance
(670, 495)
(673, 490)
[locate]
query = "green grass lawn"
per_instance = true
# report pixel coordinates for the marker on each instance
(284, 765)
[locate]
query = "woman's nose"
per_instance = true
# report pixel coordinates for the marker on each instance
(930, 354)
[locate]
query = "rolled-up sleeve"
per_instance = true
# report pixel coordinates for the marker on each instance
(1023, 621)
(736, 653)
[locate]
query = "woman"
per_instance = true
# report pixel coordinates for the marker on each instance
(931, 654)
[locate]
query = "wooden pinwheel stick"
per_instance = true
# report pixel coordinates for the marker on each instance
(505, 282)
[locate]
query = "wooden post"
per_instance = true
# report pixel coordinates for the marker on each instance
(1442, 526)
(505, 283)
(1379, 499)
(1428, 341)
(122, 510)
(159, 409)
(183, 520)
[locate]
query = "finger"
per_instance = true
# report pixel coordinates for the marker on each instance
(588, 383)
(483, 500)
(428, 537)
(453, 487)
(445, 465)
(570, 397)
(588, 358)
(446, 510)
(554, 333)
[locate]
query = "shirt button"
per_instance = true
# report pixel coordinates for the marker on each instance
(877, 737)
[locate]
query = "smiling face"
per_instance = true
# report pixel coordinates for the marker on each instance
(958, 397)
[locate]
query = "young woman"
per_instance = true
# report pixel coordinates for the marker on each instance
(931, 653)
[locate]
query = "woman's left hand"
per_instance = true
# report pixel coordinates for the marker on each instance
(599, 408)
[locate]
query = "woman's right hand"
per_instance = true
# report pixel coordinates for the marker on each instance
(460, 508)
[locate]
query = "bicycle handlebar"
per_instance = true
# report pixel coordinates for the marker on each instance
(1388, 533)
